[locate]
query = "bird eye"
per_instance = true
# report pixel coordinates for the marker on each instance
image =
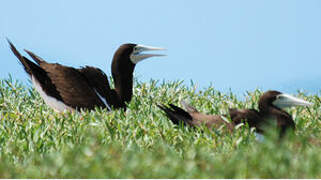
(280, 97)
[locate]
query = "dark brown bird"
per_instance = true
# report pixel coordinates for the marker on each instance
(68, 88)
(270, 108)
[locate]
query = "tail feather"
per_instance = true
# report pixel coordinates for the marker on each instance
(169, 114)
(31, 68)
(35, 71)
(181, 112)
(36, 58)
(23, 60)
(176, 114)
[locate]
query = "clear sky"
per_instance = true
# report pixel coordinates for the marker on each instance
(270, 44)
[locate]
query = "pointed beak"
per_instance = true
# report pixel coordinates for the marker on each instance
(149, 48)
(286, 100)
(138, 54)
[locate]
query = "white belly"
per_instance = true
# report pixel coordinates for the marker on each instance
(50, 101)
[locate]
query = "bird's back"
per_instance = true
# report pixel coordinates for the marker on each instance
(249, 116)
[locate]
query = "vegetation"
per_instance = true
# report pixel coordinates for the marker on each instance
(37, 142)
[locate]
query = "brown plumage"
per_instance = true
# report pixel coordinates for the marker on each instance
(270, 104)
(64, 87)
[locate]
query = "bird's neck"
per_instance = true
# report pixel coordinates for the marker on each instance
(283, 119)
(123, 87)
(122, 71)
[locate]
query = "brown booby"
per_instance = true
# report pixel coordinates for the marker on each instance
(271, 105)
(68, 88)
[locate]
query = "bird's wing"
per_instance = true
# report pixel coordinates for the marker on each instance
(74, 87)
(79, 88)
(250, 116)
(176, 114)
(98, 79)
(35, 71)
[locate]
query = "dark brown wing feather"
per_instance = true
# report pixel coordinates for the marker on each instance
(38, 59)
(250, 116)
(38, 73)
(73, 86)
(193, 117)
(98, 79)
(176, 114)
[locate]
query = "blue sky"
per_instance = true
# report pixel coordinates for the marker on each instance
(242, 45)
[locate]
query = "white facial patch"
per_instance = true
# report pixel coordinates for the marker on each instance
(134, 57)
(50, 101)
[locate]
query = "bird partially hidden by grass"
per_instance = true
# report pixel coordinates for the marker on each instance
(67, 88)
(271, 105)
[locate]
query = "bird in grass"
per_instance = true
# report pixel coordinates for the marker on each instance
(271, 105)
(67, 88)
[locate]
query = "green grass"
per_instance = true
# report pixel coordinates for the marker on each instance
(36, 142)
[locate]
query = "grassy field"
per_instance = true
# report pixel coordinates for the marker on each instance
(36, 142)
